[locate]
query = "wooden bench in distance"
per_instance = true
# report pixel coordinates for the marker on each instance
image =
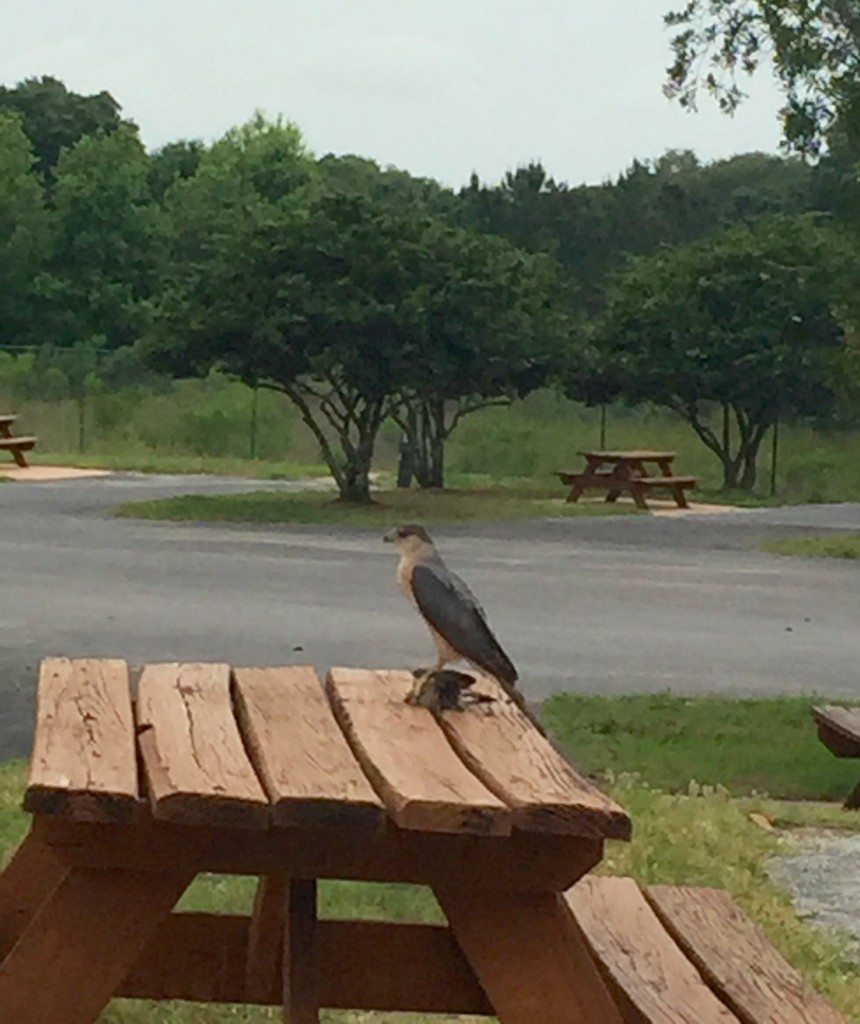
(17, 446)
(666, 481)
(839, 731)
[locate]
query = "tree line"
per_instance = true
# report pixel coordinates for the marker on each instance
(724, 292)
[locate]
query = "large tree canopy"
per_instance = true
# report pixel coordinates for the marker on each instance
(743, 323)
(814, 46)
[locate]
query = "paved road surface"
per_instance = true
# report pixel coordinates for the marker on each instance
(601, 605)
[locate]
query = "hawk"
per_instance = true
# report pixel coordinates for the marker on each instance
(455, 618)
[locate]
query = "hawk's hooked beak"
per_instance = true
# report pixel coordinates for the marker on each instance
(391, 536)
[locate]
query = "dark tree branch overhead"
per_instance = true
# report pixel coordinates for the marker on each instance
(812, 45)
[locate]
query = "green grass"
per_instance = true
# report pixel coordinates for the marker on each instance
(706, 839)
(828, 545)
(388, 508)
(747, 746)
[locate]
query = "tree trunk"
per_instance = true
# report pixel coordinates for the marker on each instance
(356, 424)
(739, 466)
(424, 425)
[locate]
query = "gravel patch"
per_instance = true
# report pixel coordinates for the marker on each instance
(823, 876)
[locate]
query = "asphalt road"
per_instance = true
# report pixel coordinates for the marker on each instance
(599, 605)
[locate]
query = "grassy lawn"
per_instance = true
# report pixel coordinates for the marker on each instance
(828, 545)
(707, 839)
(747, 746)
(388, 508)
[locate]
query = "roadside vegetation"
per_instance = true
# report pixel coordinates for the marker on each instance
(828, 545)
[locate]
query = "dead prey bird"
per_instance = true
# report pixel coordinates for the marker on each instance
(455, 618)
(445, 689)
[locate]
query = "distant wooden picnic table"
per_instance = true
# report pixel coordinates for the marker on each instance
(16, 445)
(627, 472)
(839, 731)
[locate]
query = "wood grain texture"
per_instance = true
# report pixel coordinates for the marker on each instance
(196, 767)
(301, 954)
(839, 729)
(500, 745)
(83, 763)
(364, 965)
(522, 861)
(25, 883)
(406, 756)
(736, 959)
(83, 941)
(651, 980)
(299, 752)
(530, 957)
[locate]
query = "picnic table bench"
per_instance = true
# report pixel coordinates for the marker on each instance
(263, 772)
(15, 445)
(839, 731)
(620, 472)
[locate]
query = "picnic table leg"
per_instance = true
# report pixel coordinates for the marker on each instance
(575, 493)
(301, 955)
(265, 964)
(530, 957)
(853, 801)
(28, 880)
(677, 491)
(82, 942)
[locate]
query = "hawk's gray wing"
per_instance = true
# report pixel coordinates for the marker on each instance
(454, 612)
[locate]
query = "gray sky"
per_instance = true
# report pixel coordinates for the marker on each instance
(438, 87)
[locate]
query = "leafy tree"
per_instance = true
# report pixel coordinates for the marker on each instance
(174, 162)
(488, 331)
(744, 322)
(54, 118)
(309, 297)
(24, 235)
(814, 46)
(100, 275)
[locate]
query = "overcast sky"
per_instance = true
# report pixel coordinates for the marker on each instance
(438, 87)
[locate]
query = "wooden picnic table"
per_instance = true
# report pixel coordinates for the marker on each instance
(15, 445)
(262, 771)
(265, 772)
(620, 472)
(839, 730)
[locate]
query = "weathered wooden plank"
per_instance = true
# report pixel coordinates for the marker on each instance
(301, 954)
(83, 763)
(736, 959)
(839, 729)
(196, 767)
(651, 980)
(529, 955)
(499, 744)
(83, 941)
(404, 753)
(310, 774)
(364, 965)
(635, 455)
(529, 861)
